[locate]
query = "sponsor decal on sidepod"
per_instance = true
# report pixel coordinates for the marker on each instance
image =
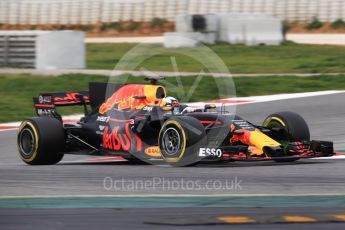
(153, 151)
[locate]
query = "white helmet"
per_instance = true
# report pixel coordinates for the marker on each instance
(169, 100)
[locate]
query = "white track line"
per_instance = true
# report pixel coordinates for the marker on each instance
(268, 98)
(14, 125)
(330, 158)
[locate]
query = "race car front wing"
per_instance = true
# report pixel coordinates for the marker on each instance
(293, 150)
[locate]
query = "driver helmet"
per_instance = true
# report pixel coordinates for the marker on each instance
(170, 101)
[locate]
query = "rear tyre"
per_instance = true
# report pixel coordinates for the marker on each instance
(180, 139)
(40, 141)
(293, 126)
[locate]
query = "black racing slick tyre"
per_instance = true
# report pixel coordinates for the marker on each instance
(180, 139)
(294, 127)
(40, 141)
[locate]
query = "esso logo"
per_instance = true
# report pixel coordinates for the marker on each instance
(210, 152)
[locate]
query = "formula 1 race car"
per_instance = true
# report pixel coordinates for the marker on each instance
(141, 123)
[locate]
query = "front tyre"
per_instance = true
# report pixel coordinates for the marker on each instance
(180, 139)
(39, 140)
(293, 128)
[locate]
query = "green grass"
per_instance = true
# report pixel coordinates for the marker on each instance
(17, 91)
(276, 85)
(287, 58)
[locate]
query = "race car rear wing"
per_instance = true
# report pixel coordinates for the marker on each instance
(46, 103)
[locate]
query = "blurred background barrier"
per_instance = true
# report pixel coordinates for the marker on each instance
(233, 28)
(42, 49)
(86, 12)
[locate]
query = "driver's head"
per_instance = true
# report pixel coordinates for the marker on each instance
(170, 101)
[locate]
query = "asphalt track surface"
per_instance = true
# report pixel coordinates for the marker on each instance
(74, 177)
